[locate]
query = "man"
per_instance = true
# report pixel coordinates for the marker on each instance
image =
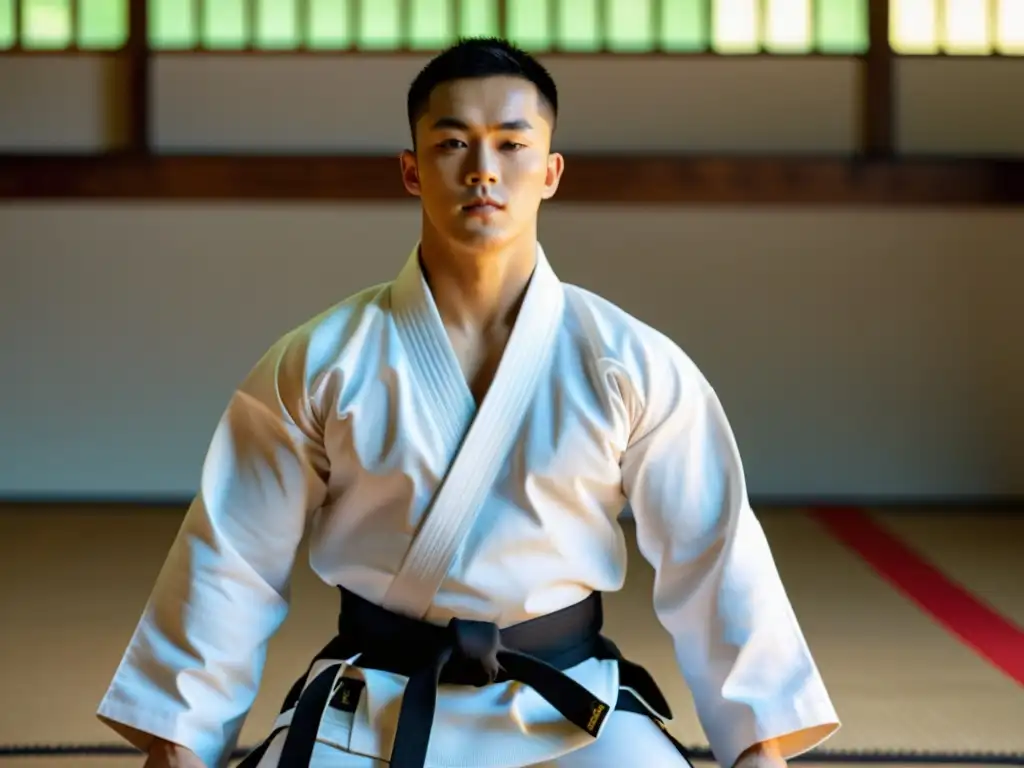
(460, 443)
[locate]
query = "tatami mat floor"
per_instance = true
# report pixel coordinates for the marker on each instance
(74, 580)
(987, 557)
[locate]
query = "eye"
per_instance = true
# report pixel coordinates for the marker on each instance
(451, 144)
(513, 146)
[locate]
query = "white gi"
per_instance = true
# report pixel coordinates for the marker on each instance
(351, 423)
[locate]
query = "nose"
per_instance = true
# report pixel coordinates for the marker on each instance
(481, 178)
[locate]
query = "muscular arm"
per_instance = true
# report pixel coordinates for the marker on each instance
(193, 665)
(757, 690)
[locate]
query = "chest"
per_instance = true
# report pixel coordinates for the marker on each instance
(479, 355)
(386, 437)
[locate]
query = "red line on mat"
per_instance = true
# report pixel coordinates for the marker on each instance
(978, 625)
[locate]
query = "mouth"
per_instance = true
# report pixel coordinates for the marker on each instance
(482, 206)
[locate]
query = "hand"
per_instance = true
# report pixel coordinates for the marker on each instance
(764, 755)
(164, 754)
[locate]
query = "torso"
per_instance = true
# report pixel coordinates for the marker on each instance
(398, 392)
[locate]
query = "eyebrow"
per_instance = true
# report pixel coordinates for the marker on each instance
(509, 125)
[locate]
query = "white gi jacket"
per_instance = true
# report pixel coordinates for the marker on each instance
(350, 423)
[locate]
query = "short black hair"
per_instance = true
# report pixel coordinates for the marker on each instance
(478, 57)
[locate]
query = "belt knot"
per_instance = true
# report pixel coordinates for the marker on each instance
(475, 647)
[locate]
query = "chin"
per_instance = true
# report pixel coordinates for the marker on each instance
(482, 237)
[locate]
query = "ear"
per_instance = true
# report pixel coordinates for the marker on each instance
(410, 172)
(556, 165)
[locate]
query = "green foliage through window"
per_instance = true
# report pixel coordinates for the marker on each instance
(576, 26)
(51, 25)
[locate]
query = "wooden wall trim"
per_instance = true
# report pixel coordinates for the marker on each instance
(588, 179)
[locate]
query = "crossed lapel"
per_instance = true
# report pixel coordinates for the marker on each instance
(479, 440)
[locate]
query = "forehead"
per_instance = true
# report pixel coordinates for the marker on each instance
(485, 100)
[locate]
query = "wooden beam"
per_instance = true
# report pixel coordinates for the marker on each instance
(137, 92)
(588, 179)
(877, 98)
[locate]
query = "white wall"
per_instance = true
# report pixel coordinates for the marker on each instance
(860, 352)
(284, 103)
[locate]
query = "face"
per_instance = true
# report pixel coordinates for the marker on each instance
(483, 161)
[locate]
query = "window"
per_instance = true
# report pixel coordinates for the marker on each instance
(954, 27)
(60, 24)
(957, 27)
(615, 26)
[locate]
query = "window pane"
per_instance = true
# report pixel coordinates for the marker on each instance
(172, 24)
(224, 24)
(102, 24)
(629, 25)
(841, 26)
(966, 27)
(330, 25)
(380, 25)
(277, 24)
(912, 26)
(736, 26)
(7, 36)
(527, 24)
(1010, 27)
(578, 25)
(430, 24)
(478, 18)
(46, 24)
(788, 27)
(685, 26)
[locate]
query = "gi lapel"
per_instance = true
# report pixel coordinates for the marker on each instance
(490, 436)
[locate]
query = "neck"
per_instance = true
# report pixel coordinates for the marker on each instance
(478, 290)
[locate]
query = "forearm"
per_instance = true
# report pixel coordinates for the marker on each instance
(192, 667)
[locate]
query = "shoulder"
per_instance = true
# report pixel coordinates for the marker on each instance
(300, 362)
(323, 338)
(658, 372)
(615, 334)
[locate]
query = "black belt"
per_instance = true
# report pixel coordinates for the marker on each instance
(464, 652)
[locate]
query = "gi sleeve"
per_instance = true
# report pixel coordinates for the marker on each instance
(193, 665)
(717, 590)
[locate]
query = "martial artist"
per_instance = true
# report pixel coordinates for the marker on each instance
(459, 443)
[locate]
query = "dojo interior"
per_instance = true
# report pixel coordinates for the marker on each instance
(819, 200)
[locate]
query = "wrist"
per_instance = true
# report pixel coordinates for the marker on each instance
(766, 754)
(160, 747)
(166, 753)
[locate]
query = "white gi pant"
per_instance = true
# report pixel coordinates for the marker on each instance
(627, 740)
